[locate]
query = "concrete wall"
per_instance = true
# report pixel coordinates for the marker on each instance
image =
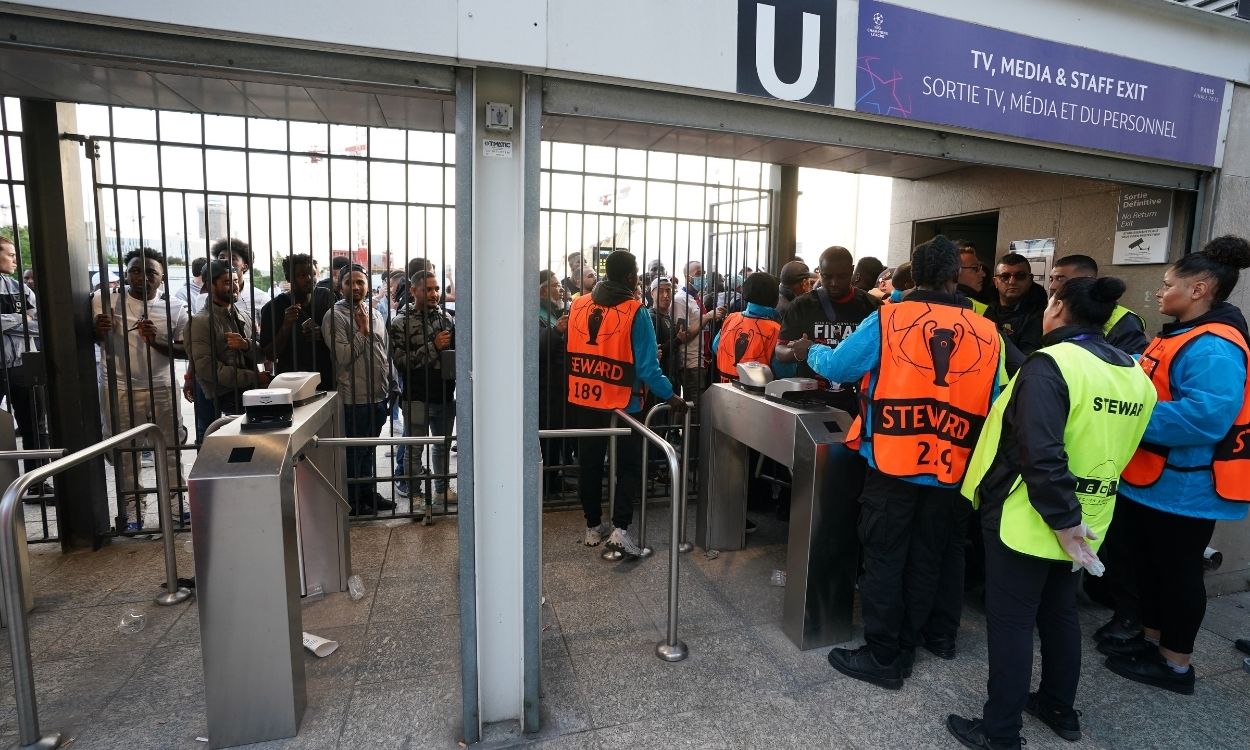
(1231, 216)
(1078, 213)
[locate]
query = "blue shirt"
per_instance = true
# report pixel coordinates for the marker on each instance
(858, 354)
(646, 362)
(1207, 378)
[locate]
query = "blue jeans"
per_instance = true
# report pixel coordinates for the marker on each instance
(362, 420)
(424, 418)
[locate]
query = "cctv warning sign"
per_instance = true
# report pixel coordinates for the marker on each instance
(1143, 224)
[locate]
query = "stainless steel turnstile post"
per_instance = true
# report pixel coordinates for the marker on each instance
(823, 549)
(269, 523)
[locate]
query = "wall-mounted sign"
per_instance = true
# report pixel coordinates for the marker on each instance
(928, 68)
(1143, 226)
(785, 49)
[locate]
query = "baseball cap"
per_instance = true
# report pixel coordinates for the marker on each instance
(794, 272)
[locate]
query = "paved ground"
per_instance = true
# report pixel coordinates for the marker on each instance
(394, 682)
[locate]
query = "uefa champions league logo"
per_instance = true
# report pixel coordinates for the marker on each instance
(875, 31)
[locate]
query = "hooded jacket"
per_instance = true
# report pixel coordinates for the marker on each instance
(1208, 378)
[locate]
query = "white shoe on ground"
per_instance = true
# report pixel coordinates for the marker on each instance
(622, 542)
(595, 534)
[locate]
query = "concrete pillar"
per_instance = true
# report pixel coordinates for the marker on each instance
(785, 215)
(60, 255)
(497, 382)
(1232, 195)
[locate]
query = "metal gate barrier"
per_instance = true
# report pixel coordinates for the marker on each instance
(14, 587)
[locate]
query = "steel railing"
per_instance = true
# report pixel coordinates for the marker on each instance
(670, 649)
(14, 588)
(685, 546)
(427, 518)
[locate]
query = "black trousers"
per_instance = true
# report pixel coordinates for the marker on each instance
(1117, 588)
(912, 539)
(22, 404)
(591, 453)
(1166, 549)
(1022, 592)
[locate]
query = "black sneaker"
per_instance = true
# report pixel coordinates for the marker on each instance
(861, 664)
(1065, 722)
(1242, 645)
(1133, 648)
(906, 661)
(943, 647)
(39, 493)
(971, 733)
(751, 527)
(1119, 629)
(1153, 672)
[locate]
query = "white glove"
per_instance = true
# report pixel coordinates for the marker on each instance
(1075, 544)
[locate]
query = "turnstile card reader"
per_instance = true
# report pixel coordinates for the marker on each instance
(268, 522)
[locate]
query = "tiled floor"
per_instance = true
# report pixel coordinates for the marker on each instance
(394, 681)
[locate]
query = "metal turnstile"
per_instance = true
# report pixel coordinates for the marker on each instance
(269, 524)
(823, 549)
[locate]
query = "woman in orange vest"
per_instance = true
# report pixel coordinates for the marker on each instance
(749, 336)
(1193, 467)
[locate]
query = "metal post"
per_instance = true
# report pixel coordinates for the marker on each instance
(611, 554)
(173, 593)
(29, 737)
(642, 513)
(670, 649)
(685, 546)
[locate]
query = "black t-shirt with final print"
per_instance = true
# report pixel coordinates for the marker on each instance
(807, 315)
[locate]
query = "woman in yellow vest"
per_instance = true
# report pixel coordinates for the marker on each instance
(1044, 472)
(1193, 467)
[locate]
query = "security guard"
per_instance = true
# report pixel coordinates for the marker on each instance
(611, 353)
(751, 335)
(1193, 467)
(930, 369)
(1126, 331)
(1045, 472)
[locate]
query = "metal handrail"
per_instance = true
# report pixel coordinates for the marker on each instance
(34, 454)
(15, 595)
(685, 464)
(669, 649)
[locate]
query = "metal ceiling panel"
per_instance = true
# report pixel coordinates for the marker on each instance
(280, 102)
(212, 95)
(414, 113)
(70, 80)
(349, 107)
(136, 88)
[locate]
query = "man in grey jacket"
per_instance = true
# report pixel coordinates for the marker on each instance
(420, 333)
(222, 344)
(357, 336)
(20, 328)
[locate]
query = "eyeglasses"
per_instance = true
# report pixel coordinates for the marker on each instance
(1018, 276)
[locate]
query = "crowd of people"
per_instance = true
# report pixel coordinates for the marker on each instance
(1042, 418)
(380, 350)
(1018, 432)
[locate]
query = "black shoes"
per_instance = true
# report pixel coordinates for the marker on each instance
(1153, 672)
(1119, 629)
(1133, 648)
(751, 527)
(1065, 722)
(906, 661)
(862, 665)
(943, 647)
(971, 733)
(1242, 645)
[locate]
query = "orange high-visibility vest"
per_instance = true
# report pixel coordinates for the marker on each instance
(932, 390)
(601, 353)
(1231, 467)
(744, 339)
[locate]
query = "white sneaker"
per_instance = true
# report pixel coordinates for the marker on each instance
(595, 534)
(622, 542)
(446, 496)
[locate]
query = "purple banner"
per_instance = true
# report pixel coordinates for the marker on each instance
(919, 66)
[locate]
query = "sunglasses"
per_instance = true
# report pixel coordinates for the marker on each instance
(1018, 276)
